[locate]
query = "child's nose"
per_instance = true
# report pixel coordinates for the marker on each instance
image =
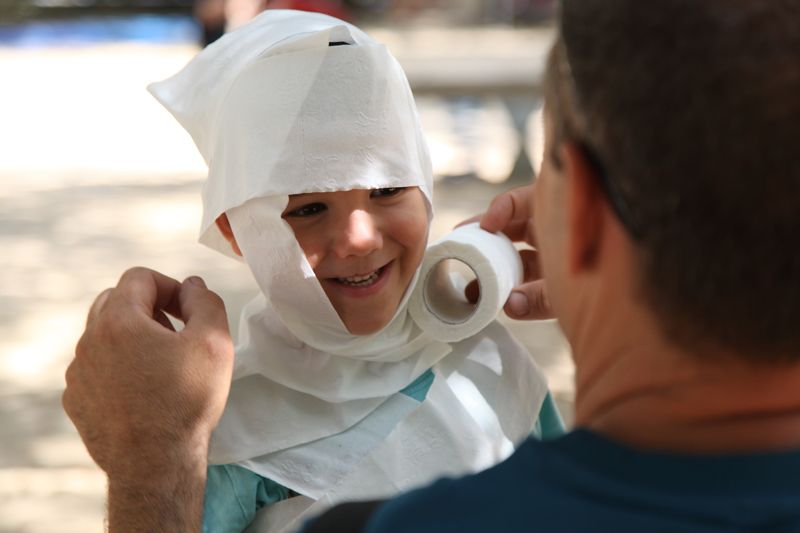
(357, 235)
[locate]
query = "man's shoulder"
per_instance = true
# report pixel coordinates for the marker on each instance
(475, 502)
(584, 482)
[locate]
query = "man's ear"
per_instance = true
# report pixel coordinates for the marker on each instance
(225, 228)
(585, 206)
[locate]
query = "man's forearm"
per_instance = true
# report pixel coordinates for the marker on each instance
(167, 500)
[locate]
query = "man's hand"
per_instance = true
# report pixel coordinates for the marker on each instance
(510, 213)
(145, 398)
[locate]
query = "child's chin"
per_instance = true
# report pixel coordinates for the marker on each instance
(365, 327)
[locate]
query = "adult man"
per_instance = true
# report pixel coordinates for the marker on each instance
(665, 215)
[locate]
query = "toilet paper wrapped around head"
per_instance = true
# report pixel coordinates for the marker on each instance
(294, 103)
(289, 104)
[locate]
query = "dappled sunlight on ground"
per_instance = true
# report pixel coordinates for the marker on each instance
(72, 116)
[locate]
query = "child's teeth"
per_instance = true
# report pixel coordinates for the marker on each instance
(360, 280)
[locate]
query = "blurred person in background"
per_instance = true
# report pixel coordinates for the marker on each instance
(665, 218)
(216, 17)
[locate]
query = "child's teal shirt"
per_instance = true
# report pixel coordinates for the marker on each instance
(234, 494)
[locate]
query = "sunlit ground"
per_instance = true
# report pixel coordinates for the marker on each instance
(94, 178)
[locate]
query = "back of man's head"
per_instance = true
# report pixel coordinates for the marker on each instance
(692, 110)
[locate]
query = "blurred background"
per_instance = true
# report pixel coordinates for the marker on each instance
(96, 177)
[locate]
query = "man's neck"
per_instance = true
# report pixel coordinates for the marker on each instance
(636, 385)
(642, 391)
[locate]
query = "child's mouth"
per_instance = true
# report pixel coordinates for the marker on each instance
(364, 280)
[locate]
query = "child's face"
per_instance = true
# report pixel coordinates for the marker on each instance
(364, 246)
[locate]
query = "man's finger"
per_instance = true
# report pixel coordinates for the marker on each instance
(499, 214)
(529, 302)
(470, 220)
(97, 306)
(530, 263)
(162, 318)
(472, 291)
(150, 290)
(201, 308)
(509, 213)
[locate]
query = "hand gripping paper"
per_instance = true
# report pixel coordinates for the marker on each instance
(438, 304)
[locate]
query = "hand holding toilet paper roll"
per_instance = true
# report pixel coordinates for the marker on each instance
(438, 304)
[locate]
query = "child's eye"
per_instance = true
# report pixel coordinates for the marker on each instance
(384, 193)
(307, 210)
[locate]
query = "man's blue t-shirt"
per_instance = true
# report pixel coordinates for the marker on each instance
(584, 482)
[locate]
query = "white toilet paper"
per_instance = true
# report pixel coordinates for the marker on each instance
(438, 304)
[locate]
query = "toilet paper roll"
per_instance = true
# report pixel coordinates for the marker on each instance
(438, 304)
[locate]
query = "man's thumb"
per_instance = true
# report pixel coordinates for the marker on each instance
(529, 302)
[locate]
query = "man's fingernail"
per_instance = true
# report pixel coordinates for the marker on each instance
(196, 280)
(518, 303)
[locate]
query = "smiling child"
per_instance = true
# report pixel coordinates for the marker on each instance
(320, 179)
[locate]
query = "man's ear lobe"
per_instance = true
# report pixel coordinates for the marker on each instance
(584, 209)
(224, 226)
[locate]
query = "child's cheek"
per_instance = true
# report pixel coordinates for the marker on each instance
(314, 259)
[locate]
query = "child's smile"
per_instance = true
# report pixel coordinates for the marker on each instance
(364, 284)
(364, 245)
